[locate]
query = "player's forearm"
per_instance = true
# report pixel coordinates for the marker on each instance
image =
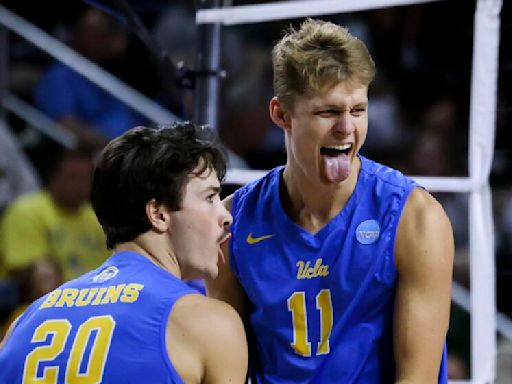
(417, 371)
(417, 379)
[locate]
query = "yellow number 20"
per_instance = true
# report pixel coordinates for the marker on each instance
(297, 306)
(60, 329)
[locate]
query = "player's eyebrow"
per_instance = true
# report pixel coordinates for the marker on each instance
(214, 188)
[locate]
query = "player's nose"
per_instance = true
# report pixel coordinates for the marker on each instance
(344, 124)
(226, 219)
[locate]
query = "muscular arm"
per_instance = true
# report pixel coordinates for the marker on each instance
(226, 287)
(206, 341)
(424, 256)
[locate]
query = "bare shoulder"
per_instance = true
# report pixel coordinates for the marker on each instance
(207, 313)
(424, 259)
(424, 230)
(423, 213)
(204, 336)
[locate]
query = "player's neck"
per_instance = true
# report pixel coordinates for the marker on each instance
(154, 252)
(311, 205)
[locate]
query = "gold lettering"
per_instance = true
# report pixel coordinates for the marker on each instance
(99, 296)
(131, 293)
(113, 294)
(68, 297)
(300, 265)
(324, 270)
(51, 299)
(307, 272)
(318, 264)
(81, 301)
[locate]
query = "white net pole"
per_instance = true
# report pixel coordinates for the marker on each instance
(481, 231)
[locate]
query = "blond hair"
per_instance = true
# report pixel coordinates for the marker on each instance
(320, 53)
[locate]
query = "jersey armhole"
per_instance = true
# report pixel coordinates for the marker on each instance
(163, 328)
(235, 207)
(398, 215)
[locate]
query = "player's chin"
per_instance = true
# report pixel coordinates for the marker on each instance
(211, 271)
(210, 274)
(214, 273)
(201, 271)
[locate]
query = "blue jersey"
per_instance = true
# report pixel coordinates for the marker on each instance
(321, 305)
(107, 326)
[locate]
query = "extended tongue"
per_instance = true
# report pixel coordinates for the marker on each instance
(336, 169)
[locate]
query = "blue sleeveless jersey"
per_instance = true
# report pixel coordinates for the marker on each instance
(321, 306)
(107, 326)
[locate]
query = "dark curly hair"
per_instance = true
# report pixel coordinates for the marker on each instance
(144, 164)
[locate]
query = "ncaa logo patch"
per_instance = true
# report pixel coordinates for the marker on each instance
(368, 232)
(106, 274)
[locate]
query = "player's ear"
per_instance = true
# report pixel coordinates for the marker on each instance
(158, 216)
(279, 115)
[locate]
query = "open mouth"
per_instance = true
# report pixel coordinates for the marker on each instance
(224, 237)
(336, 150)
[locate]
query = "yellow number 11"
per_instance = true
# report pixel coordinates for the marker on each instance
(297, 306)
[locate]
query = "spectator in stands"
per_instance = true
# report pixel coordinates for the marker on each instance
(90, 112)
(57, 221)
(17, 175)
(457, 368)
(34, 281)
(246, 130)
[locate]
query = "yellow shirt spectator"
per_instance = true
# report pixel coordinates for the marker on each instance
(33, 228)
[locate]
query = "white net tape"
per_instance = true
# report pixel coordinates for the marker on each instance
(433, 184)
(279, 10)
(481, 146)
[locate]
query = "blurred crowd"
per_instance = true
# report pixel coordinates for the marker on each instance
(419, 118)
